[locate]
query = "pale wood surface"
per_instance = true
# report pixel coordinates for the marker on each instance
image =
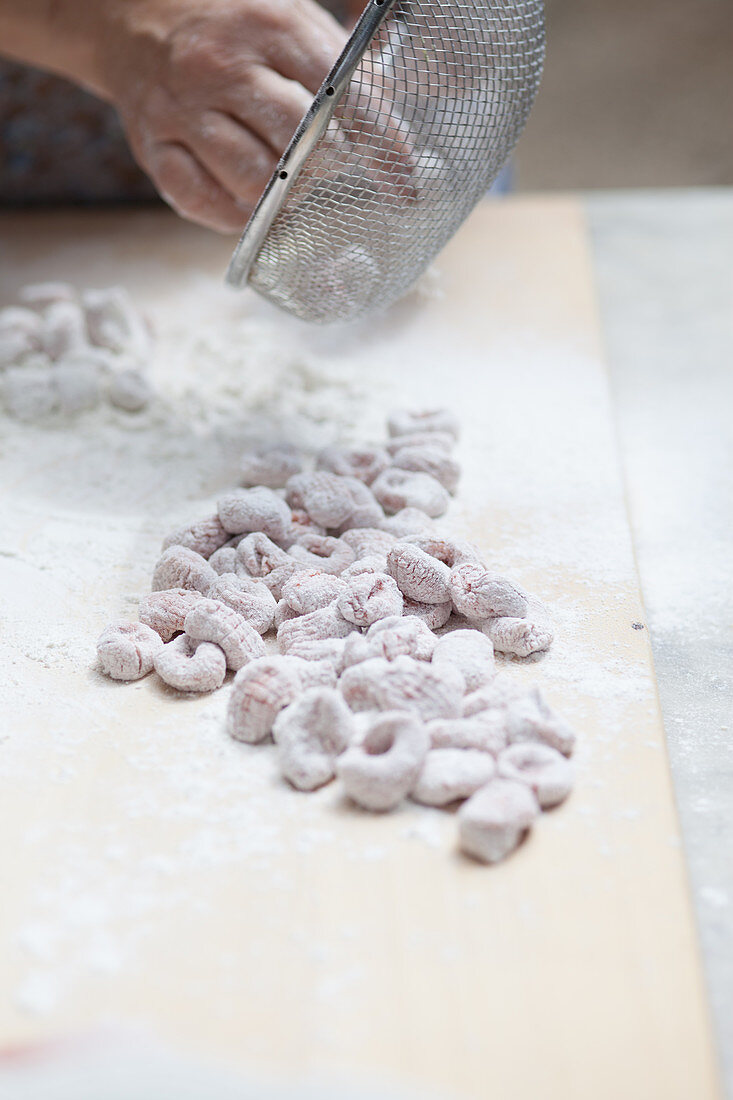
(311, 936)
(669, 337)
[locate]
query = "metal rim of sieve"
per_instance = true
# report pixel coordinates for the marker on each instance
(305, 139)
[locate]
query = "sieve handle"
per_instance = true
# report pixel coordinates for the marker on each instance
(305, 139)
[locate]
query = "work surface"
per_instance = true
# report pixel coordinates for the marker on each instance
(155, 871)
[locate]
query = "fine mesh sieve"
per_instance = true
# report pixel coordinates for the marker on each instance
(408, 131)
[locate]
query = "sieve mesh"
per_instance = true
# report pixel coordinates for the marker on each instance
(405, 149)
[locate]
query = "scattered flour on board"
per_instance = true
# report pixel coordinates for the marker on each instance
(74, 541)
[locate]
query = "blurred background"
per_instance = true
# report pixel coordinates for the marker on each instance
(636, 93)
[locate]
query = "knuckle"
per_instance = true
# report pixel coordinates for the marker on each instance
(195, 51)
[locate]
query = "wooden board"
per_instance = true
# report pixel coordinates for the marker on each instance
(188, 889)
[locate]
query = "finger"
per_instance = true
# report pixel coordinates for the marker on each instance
(234, 156)
(344, 11)
(375, 143)
(390, 154)
(271, 107)
(304, 43)
(354, 12)
(192, 192)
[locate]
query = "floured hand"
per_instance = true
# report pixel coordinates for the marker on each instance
(211, 94)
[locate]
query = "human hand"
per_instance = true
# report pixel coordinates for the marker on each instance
(211, 94)
(347, 12)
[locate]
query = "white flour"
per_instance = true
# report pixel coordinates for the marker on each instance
(84, 509)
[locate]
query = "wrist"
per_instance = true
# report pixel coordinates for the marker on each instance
(125, 38)
(58, 35)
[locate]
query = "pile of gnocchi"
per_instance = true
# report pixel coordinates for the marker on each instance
(66, 352)
(381, 672)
